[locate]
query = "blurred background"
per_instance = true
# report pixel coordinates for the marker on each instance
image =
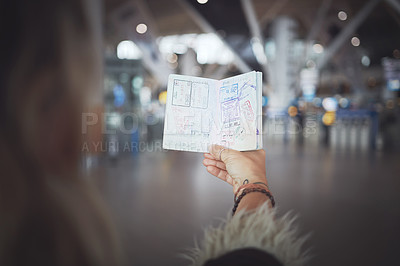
(331, 120)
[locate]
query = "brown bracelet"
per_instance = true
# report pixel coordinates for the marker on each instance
(251, 185)
(249, 190)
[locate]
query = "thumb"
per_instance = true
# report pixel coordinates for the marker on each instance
(220, 152)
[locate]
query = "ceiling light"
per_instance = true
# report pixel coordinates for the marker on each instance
(365, 60)
(173, 66)
(202, 1)
(318, 48)
(330, 104)
(355, 41)
(128, 50)
(172, 58)
(141, 28)
(342, 15)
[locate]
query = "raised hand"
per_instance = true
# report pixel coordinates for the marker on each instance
(235, 167)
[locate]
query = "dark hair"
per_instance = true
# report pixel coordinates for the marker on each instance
(49, 58)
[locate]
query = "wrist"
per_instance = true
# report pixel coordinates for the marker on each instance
(252, 201)
(253, 180)
(260, 185)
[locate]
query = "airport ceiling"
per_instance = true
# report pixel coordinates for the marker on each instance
(379, 33)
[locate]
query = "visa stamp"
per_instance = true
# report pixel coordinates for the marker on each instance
(247, 110)
(181, 92)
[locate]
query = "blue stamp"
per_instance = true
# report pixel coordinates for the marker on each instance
(228, 93)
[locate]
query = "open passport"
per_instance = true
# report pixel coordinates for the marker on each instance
(200, 112)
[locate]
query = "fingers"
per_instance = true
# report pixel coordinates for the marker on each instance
(208, 156)
(221, 174)
(220, 152)
(216, 168)
(216, 151)
(229, 179)
(212, 162)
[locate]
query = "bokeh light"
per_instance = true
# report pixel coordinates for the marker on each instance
(318, 48)
(342, 15)
(292, 111)
(141, 28)
(128, 50)
(355, 41)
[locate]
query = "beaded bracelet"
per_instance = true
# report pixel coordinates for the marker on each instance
(249, 190)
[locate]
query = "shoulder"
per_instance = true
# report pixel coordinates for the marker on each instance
(259, 229)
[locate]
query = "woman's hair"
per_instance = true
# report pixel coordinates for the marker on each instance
(49, 63)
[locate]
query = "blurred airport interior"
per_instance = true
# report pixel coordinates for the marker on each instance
(331, 120)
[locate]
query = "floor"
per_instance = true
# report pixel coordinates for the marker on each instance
(348, 200)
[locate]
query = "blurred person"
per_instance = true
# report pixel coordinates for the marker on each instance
(50, 58)
(50, 215)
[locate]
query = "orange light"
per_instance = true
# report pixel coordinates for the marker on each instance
(292, 111)
(329, 118)
(162, 97)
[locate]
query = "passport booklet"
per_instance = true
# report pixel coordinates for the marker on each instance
(201, 111)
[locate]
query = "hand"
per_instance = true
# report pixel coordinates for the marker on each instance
(235, 167)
